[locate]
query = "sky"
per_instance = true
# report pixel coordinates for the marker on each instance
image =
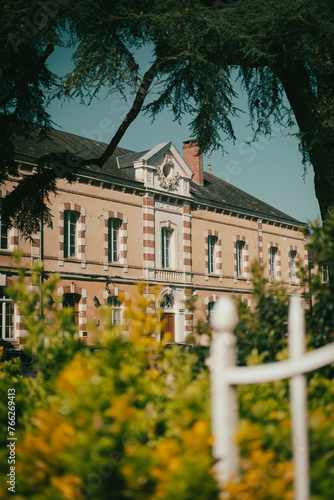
(269, 169)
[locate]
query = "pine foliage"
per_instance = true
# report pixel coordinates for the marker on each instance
(281, 52)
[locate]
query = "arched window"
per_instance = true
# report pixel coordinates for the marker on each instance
(168, 316)
(167, 302)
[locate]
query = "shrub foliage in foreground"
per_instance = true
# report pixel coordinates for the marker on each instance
(132, 421)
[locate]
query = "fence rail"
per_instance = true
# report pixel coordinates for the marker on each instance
(225, 375)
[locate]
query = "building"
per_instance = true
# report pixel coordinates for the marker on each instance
(153, 215)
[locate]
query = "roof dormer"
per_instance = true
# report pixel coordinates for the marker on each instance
(161, 168)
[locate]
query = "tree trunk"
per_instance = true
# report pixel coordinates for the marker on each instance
(322, 159)
(317, 139)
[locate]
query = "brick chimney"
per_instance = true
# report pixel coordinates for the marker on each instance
(194, 160)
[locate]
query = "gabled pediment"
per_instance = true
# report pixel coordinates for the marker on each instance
(162, 168)
(157, 157)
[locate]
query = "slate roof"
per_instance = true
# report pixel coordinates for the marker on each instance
(128, 159)
(62, 142)
(215, 190)
(219, 191)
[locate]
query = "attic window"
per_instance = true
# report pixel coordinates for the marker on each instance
(166, 170)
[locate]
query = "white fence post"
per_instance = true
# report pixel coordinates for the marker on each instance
(224, 375)
(223, 398)
(298, 401)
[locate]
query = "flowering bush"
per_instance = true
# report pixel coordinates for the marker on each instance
(127, 421)
(132, 420)
(320, 318)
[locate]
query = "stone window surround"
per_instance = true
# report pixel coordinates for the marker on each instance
(278, 277)
(123, 239)
(73, 288)
(293, 248)
(13, 232)
(212, 299)
(81, 232)
(115, 292)
(245, 256)
(174, 242)
(218, 251)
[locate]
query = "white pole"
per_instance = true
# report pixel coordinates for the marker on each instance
(223, 398)
(298, 397)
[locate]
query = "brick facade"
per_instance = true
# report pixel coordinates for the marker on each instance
(192, 211)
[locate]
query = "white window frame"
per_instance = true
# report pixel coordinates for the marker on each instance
(3, 234)
(167, 242)
(70, 230)
(210, 308)
(115, 310)
(293, 267)
(212, 248)
(240, 247)
(6, 304)
(167, 302)
(324, 274)
(273, 262)
(114, 227)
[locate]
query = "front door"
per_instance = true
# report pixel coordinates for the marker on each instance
(169, 326)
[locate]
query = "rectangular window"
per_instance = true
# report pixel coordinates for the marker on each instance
(166, 236)
(3, 235)
(273, 267)
(212, 242)
(70, 234)
(293, 270)
(324, 274)
(113, 240)
(210, 309)
(6, 319)
(240, 257)
(71, 300)
(116, 310)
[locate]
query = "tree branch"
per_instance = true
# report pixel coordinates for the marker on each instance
(130, 117)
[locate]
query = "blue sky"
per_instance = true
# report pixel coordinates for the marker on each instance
(271, 170)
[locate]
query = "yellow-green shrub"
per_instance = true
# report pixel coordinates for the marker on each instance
(132, 421)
